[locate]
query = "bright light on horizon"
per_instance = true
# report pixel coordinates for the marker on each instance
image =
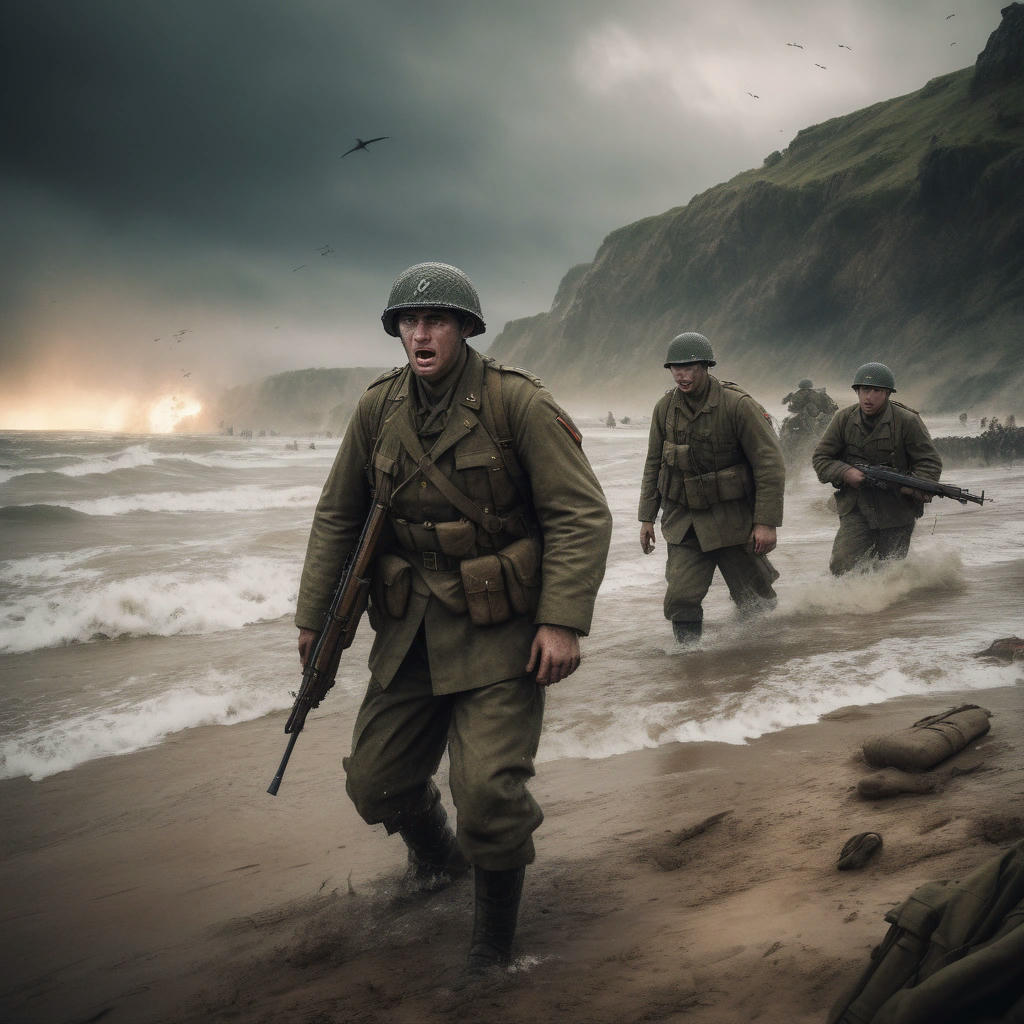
(168, 411)
(114, 413)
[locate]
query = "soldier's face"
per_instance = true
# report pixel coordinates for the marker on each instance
(689, 376)
(432, 339)
(871, 400)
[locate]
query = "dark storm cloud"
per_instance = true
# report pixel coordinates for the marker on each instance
(173, 163)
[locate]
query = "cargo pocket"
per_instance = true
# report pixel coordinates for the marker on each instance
(520, 562)
(484, 584)
(393, 585)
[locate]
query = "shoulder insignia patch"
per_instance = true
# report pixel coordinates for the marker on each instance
(570, 428)
(386, 375)
(532, 377)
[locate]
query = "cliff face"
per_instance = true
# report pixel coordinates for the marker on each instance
(299, 402)
(895, 233)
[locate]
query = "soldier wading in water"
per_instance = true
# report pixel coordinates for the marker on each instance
(715, 468)
(878, 432)
(484, 581)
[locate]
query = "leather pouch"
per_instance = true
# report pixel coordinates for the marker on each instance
(456, 539)
(484, 584)
(675, 458)
(734, 482)
(520, 562)
(393, 584)
(701, 490)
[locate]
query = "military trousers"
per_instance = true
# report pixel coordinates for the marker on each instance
(856, 541)
(491, 734)
(689, 571)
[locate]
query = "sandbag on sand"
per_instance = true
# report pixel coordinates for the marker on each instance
(928, 741)
(892, 782)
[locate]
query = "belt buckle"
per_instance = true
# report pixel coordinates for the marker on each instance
(429, 560)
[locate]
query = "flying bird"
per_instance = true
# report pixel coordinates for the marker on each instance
(822, 66)
(953, 43)
(754, 94)
(299, 267)
(186, 373)
(360, 144)
(948, 16)
(843, 46)
(799, 46)
(326, 250)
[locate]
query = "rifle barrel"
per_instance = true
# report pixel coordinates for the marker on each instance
(275, 785)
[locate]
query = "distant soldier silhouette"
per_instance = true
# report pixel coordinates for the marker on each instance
(810, 411)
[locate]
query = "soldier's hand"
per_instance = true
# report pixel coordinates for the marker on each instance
(853, 477)
(912, 492)
(307, 637)
(647, 537)
(763, 539)
(555, 654)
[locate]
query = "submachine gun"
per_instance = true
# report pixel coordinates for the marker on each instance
(339, 629)
(885, 479)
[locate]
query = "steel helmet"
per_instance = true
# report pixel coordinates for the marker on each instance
(805, 385)
(874, 375)
(437, 285)
(690, 347)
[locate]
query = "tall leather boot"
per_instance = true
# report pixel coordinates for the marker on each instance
(435, 859)
(687, 632)
(494, 918)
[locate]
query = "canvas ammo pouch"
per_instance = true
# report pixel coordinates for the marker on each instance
(520, 562)
(730, 484)
(675, 460)
(484, 585)
(393, 583)
(456, 539)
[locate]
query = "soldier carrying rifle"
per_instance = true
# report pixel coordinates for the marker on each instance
(489, 560)
(876, 431)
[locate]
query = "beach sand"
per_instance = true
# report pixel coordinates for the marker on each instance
(166, 885)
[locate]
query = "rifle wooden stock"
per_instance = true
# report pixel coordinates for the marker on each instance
(346, 609)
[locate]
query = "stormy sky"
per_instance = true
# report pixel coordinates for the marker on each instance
(176, 167)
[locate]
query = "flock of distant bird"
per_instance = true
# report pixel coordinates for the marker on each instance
(842, 46)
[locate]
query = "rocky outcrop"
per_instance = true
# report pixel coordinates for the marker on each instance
(1002, 60)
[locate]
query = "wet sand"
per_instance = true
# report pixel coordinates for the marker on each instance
(165, 885)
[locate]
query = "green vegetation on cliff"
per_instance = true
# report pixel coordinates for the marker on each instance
(895, 233)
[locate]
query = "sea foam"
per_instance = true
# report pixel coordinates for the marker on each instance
(57, 747)
(159, 604)
(245, 498)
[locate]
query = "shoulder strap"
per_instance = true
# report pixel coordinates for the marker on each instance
(382, 399)
(469, 508)
(503, 438)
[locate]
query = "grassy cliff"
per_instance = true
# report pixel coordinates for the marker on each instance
(895, 233)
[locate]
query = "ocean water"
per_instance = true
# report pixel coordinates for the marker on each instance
(147, 585)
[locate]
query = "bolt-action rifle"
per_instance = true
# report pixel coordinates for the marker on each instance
(339, 629)
(889, 480)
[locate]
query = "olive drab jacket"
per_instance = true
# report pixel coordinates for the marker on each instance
(505, 510)
(719, 470)
(897, 439)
